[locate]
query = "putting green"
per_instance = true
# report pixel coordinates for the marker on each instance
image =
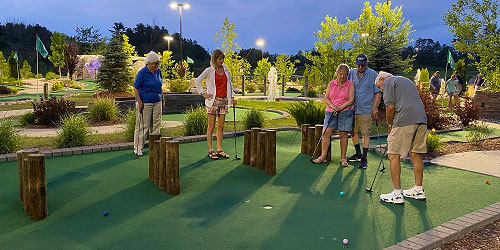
(240, 113)
(221, 203)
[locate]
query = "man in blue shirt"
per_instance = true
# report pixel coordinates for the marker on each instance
(366, 104)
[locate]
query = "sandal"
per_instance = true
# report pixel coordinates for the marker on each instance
(212, 155)
(222, 154)
(318, 161)
(344, 163)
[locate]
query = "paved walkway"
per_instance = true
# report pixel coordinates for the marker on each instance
(484, 162)
(48, 132)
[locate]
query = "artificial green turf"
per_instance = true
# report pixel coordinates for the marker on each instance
(229, 117)
(220, 204)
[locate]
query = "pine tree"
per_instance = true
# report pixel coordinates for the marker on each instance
(12, 65)
(114, 73)
(57, 45)
(385, 53)
(26, 70)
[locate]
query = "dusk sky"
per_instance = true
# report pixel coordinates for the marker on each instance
(286, 25)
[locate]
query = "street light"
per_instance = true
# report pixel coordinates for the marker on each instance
(168, 38)
(180, 6)
(260, 43)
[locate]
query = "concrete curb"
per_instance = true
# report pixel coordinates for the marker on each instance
(451, 230)
(124, 146)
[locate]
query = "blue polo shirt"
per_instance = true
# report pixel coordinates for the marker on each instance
(148, 85)
(364, 89)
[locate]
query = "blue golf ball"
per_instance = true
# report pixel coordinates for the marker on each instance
(105, 213)
(341, 193)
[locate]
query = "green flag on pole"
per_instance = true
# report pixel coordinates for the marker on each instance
(450, 60)
(189, 60)
(15, 56)
(40, 47)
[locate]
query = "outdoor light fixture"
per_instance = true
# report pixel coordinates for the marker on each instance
(260, 43)
(168, 38)
(180, 6)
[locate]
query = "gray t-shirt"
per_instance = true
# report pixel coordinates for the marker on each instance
(402, 93)
(436, 82)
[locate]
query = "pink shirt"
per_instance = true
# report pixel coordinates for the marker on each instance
(339, 96)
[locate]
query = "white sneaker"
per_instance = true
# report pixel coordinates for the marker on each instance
(413, 193)
(392, 197)
(138, 152)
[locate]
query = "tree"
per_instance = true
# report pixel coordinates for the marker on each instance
(284, 66)
(263, 67)
(4, 67)
(114, 73)
(128, 48)
(333, 37)
(167, 64)
(384, 53)
(227, 36)
(89, 40)
(12, 65)
(462, 72)
(57, 47)
(71, 57)
(26, 70)
(474, 23)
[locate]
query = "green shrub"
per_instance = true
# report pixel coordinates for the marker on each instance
(250, 88)
(130, 122)
(51, 75)
(74, 132)
(4, 90)
(433, 141)
(292, 90)
(104, 109)
(9, 137)
(307, 112)
(253, 118)
(27, 119)
(196, 121)
(312, 93)
(50, 112)
(467, 114)
(261, 87)
(477, 132)
(15, 82)
(75, 86)
(179, 85)
(57, 86)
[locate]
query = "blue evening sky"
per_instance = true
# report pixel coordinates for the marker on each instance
(286, 25)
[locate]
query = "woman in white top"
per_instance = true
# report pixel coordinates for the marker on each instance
(219, 91)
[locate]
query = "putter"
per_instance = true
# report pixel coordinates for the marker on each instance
(380, 144)
(321, 138)
(378, 169)
(142, 131)
(234, 122)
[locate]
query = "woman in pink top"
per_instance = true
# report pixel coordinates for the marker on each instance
(339, 98)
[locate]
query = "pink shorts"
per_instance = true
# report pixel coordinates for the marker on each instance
(220, 106)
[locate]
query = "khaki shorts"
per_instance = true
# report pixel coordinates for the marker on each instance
(362, 123)
(400, 140)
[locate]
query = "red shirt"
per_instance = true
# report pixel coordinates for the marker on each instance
(220, 85)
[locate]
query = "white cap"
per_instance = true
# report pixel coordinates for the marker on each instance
(152, 57)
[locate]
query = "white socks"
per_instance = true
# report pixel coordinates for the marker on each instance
(397, 191)
(418, 188)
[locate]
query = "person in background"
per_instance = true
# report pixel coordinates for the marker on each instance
(435, 85)
(453, 89)
(478, 82)
(339, 98)
(149, 101)
(219, 91)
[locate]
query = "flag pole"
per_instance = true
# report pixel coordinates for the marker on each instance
(37, 95)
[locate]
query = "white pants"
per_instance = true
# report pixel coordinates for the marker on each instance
(147, 121)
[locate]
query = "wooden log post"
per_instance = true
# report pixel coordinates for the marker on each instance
(253, 144)
(247, 147)
(282, 85)
(45, 91)
(310, 140)
(243, 85)
(173, 182)
(304, 149)
(153, 158)
(261, 150)
(37, 196)
(270, 162)
(306, 86)
(318, 130)
(162, 169)
(22, 176)
(265, 85)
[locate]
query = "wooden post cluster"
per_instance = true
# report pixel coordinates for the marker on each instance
(310, 138)
(45, 91)
(32, 183)
(260, 149)
(164, 163)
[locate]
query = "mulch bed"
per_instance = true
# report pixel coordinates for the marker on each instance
(459, 147)
(487, 237)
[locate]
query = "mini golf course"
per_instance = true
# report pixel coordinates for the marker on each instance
(226, 205)
(240, 113)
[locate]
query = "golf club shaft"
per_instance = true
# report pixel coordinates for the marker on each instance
(378, 168)
(323, 133)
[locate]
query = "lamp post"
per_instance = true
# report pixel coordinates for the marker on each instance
(168, 38)
(180, 6)
(260, 43)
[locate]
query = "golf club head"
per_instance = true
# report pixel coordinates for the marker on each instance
(382, 170)
(369, 190)
(237, 158)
